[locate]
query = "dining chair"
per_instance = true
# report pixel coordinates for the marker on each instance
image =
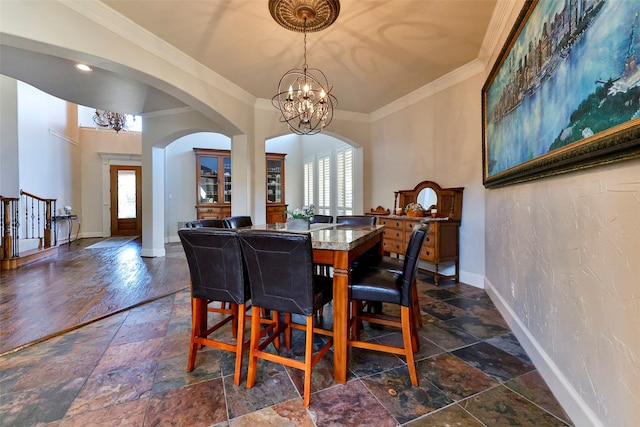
(356, 219)
(215, 223)
(372, 256)
(395, 265)
(217, 274)
(325, 219)
(237, 221)
(392, 287)
(280, 270)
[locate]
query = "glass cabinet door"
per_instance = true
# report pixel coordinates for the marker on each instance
(274, 181)
(208, 180)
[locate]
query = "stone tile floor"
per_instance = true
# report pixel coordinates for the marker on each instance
(129, 370)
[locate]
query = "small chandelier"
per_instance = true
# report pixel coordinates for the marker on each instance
(110, 120)
(304, 94)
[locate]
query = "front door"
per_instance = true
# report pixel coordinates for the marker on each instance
(126, 206)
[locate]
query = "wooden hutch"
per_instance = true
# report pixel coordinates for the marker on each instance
(275, 188)
(213, 185)
(442, 242)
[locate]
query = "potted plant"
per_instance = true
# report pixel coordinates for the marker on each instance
(299, 218)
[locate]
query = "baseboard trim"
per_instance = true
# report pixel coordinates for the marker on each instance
(571, 401)
(475, 280)
(91, 234)
(152, 253)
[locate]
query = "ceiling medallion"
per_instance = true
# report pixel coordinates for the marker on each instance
(304, 94)
(304, 15)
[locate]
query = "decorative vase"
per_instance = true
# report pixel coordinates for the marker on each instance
(415, 213)
(297, 224)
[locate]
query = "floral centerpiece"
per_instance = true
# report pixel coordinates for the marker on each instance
(415, 210)
(299, 218)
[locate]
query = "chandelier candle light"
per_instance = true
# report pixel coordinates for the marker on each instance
(304, 95)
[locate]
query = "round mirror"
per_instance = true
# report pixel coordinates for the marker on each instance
(427, 197)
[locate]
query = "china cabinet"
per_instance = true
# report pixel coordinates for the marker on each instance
(275, 188)
(213, 185)
(442, 242)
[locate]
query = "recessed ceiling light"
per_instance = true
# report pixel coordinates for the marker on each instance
(83, 67)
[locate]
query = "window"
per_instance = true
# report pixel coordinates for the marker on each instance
(329, 181)
(344, 166)
(308, 183)
(324, 185)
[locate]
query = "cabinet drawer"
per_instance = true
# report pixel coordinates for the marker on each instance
(392, 223)
(429, 239)
(409, 225)
(428, 253)
(391, 233)
(393, 246)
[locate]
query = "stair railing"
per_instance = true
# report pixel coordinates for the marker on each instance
(38, 214)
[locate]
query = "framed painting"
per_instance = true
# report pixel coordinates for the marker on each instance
(564, 93)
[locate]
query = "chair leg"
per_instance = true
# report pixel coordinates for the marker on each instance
(198, 313)
(239, 342)
(308, 362)
(234, 320)
(407, 326)
(253, 346)
(288, 331)
(416, 303)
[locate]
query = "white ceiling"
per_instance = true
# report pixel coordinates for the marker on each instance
(376, 52)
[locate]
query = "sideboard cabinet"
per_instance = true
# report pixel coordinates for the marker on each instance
(442, 243)
(213, 185)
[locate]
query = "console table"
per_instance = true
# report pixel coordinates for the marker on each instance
(69, 219)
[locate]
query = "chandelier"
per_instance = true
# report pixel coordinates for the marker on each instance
(304, 94)
(110, 120)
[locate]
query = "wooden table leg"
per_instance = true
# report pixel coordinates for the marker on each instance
(340, 315)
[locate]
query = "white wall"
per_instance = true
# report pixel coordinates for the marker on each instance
(565, 263)
(9, 184)
(46, 146)
(436, 139)
(180, 177)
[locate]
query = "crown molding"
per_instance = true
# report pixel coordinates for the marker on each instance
(497, 27)
(456, 76)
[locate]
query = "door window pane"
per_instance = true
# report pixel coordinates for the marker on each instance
(126, 194)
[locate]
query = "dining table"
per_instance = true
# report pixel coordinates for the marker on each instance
(338, 245)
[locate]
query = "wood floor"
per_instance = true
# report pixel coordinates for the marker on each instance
(81, 285)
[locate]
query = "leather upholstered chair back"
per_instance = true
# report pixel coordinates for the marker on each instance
(215, 264)
(199, 223)
(280, 270)
(356, 219)
(237, 221)
(215, 223)
(411, 258)
(327, 219)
